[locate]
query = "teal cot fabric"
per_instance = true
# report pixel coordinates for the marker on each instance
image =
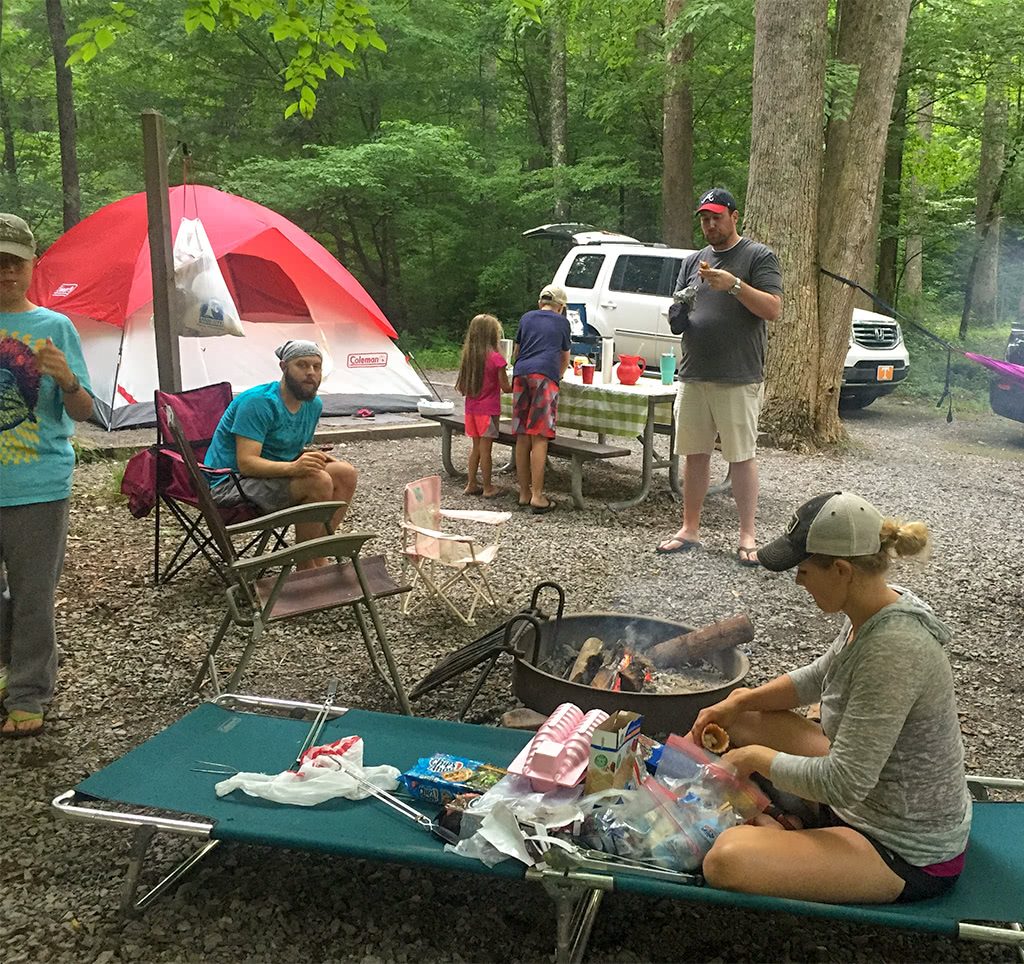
(159, 774)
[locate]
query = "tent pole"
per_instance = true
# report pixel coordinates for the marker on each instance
(154, 149)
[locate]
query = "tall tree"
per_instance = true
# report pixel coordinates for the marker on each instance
(831, 206)
(559, 107)
(66, 122)
(913, 251)
(10, 166)
(677, 136)
(889, 202)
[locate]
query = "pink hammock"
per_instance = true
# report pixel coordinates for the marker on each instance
(1011, 371)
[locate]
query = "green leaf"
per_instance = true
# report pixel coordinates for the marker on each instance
(291, 109)
(104, 38)
(89, 50)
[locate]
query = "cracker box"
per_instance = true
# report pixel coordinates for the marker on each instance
(442, 777)
(614, 762)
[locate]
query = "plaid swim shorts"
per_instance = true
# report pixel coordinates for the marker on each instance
(534, 405)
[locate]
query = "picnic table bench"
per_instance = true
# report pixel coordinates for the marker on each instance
(577, 450)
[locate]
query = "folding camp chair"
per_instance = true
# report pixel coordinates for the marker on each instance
(254, 601)
(430, 550)
(161, 468)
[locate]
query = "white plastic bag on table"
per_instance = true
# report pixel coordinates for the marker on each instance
(203, 306)
(320, 777)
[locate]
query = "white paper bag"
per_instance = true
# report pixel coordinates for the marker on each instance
(203, 306)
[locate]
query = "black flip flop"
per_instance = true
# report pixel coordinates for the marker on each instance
(685, 545)
(743, 554)
(543, 509)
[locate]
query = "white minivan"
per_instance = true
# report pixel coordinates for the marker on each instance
(621, 287)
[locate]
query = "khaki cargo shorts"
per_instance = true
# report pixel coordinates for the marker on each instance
(705, 410)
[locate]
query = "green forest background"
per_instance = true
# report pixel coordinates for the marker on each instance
(422, 164)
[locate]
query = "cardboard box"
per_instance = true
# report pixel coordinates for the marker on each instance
(614, 763)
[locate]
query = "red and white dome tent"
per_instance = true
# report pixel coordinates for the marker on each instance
(283, 282)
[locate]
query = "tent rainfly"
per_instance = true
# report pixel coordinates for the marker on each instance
(284, 283)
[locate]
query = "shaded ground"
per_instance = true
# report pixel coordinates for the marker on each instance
(129, 651)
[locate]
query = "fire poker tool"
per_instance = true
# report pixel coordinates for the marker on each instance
(318, 724)
(401, 806)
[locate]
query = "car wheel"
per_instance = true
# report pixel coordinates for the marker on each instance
(852, 403)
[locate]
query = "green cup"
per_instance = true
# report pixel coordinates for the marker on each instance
(668, 368)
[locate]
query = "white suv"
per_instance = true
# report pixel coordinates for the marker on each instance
(620, 287)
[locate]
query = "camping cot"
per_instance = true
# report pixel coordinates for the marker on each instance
(249, 733)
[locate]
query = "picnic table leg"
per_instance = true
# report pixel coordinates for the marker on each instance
(648, 464)
(577, 481)
(446, 452)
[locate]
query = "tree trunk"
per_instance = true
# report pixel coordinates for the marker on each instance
(790, 45)
(871, 36)
(6, 124)
(892, 180)
(65, 115)
(677, 139)
(913, 255)
(993, 150)
(559, 114)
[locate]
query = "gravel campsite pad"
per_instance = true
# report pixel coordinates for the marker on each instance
(129, 651)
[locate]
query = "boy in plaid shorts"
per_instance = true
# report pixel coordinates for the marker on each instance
(541, 354)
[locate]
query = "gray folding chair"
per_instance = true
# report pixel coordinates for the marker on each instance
(255, 599)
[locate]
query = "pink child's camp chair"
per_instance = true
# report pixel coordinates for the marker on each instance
(430, 551)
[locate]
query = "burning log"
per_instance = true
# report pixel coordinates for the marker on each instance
(634, 671)
(588, 661)
(694, 646)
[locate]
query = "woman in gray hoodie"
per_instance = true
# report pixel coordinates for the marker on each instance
(885, 765)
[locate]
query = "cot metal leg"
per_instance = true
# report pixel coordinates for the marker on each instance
(140, 844)
(577, 898)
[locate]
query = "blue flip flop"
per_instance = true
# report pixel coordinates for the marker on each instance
(684, 545)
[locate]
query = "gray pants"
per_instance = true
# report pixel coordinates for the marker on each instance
(32, 541)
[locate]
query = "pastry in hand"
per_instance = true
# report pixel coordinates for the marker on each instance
(715, 738)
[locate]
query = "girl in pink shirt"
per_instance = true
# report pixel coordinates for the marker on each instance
(482, 378)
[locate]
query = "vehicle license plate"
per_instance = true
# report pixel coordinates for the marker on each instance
(884, 373)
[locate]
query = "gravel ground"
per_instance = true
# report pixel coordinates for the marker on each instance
(129, 652)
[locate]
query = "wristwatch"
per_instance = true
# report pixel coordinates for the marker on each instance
(735, 289)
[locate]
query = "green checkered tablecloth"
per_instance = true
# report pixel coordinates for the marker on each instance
(610, 409)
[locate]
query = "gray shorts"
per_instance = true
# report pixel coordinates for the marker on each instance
(268, 495)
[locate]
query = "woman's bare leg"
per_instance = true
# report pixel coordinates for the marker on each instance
(835, 865)
(782, 730)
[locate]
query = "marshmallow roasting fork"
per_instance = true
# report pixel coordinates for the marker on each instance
(318, 724)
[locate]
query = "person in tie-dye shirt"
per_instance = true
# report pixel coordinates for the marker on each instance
(44, 389)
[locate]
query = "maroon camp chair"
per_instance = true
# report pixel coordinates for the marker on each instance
(158, 477)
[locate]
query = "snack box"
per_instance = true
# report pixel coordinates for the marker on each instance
(442, 777)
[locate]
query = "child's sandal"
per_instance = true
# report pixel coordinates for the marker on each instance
(21, 724)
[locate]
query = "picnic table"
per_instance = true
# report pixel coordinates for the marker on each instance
(643, 411)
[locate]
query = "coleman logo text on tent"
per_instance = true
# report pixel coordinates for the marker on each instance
(375, 360)
(62, 291)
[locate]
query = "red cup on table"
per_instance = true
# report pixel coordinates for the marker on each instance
(587, 371)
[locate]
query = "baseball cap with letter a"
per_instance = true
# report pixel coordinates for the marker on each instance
(718, 200)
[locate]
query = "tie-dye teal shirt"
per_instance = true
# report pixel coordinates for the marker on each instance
(36, 458)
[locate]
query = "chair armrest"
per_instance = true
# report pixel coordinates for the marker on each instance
(311, 512)
(477, 515)
(434, 534)
(348, 544)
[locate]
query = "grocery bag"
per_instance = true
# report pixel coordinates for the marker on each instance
(203, 306)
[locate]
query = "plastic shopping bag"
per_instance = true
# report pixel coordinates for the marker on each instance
(326, 772)
(203, 306)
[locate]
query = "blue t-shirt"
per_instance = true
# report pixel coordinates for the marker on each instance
(542, 337)
(260, 414)
(36, 458)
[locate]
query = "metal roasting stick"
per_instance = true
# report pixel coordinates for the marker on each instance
(318, 724)
(400, 806)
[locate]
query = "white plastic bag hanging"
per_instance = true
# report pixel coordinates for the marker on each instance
(203, 306)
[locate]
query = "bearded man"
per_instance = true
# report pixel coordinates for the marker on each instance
(264, 437)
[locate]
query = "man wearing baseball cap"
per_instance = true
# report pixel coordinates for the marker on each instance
(541, 354)
(733, 286)
(264, 436)
(44, 390)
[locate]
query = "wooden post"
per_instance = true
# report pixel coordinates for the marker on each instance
(154, 147)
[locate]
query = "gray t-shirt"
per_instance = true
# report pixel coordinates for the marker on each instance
(724, 341)
(895, 769)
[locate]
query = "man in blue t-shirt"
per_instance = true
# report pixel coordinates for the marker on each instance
(264, 437)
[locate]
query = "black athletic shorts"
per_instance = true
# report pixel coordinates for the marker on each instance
(919, 884)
